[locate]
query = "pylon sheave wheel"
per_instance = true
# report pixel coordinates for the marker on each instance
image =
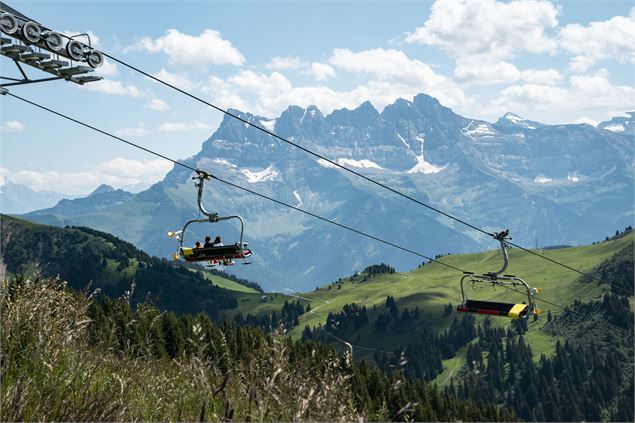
(31, 32)
(95, 58)
(53, 40)
(8, 23)
(75, 50)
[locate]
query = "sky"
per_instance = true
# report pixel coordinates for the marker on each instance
(555, 62)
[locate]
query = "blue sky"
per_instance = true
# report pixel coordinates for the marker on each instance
(550, 61)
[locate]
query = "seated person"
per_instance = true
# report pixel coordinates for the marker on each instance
(218, 242)
(208, 242)
(198, 244)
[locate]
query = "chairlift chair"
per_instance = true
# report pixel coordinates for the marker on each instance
(224, 254)
(515, 311)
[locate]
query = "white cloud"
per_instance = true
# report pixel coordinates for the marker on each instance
(139, 131)
(107, 69)
(148, 171)
(472, 71)
(117, 172)
(208, 48)
(158, 105)
(490, 29)
(541, 76)
(611, 39)
(477, 72)
(180, 127)
(224, 94)
(179, 80)
(583, 94)
(282, 63)
(520, 96)
(12, 126)
(265, 86)
(269, 95)
(388, 74)
(596, 92)
(321, 71)
(393, 67)
(108, 86)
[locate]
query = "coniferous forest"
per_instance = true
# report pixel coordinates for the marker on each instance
(67, 357)
(102, 331)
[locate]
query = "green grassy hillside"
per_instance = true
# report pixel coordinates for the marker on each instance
(92, 260)
(433, 286)
(229, 284)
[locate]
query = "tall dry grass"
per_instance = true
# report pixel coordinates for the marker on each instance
(52, 372)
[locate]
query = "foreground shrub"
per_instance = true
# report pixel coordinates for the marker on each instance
(53, 370)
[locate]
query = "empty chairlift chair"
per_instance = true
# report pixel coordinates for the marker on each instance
(514, 310)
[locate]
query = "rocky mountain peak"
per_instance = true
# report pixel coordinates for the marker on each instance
(363, 116)
(542, 183)
(510, 119)
(624, 124)
(102, 189)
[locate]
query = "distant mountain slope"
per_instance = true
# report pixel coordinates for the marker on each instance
(88, 259)
(549, 184)
(18, 198)
(103, 198)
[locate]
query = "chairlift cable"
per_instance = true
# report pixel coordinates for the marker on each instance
(308, 151)
(570, 268)
(571, 310)
(199, 171)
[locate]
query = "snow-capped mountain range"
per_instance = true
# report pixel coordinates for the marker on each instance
(549, 184)
(18, 198)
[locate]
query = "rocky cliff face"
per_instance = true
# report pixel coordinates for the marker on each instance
(564, 184)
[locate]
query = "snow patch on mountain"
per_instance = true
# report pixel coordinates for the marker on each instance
(542, 179)
(224, 162)
(326, 164)
(481, 130)
(311, 111)
(364, 164)
(517, 120)
(403, 141)
(296, 194)
(587, 120)
(268, 174)
(424, 167)
(615, 128)
(268, 124)
(572, 178)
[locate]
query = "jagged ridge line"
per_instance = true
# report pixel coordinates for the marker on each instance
(261, 195)
(246, 122)
(232, 184)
